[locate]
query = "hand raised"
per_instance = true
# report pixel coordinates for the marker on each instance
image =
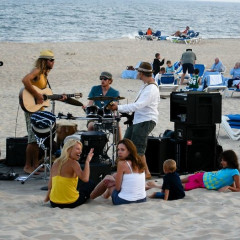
(90, 155)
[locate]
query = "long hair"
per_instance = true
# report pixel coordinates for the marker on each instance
(231, 158)
(41, 64)
(65, 152)
(133, 155)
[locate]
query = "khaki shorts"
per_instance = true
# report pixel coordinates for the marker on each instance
(138, 133)
(31, 135)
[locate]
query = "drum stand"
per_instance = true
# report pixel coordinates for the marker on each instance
(47, 161)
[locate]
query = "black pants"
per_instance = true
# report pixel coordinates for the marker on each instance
(84, 189)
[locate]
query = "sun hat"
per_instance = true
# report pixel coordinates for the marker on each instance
(46, 54)
(145, 67)
(106, 74)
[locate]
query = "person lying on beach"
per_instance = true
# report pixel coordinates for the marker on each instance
(183, 33)
(225, 179)
(64, 190)
(128, 184)
(172, 188)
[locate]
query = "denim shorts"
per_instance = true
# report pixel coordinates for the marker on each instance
(116, 200)
(138, 133)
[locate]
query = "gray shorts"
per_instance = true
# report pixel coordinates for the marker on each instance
(31, 135)
(138, 133)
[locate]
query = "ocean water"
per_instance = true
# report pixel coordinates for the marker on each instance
(94, 20)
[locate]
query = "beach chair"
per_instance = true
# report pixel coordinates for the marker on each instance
(213, 82)
(229, 123)
(157, 35)
(141, 35)
(167, 83)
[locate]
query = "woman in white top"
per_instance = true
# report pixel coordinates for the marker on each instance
(128, 184)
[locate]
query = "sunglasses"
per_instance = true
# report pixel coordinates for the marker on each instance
(51, 60)
(103, 78)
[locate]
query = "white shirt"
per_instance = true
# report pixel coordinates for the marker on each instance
(146, 106)
(133, 187)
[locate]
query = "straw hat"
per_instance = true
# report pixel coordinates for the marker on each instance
(46, 54)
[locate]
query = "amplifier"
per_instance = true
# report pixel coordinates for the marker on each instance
(16, 151)
(158, 150)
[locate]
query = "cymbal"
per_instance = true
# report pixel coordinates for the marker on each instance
(103, 98)
(74, 102)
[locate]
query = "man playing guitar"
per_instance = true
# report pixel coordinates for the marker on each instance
(145, 110)
(37, 77)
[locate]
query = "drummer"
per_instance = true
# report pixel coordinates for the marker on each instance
(101, 90)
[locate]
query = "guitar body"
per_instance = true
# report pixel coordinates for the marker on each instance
(28, 102)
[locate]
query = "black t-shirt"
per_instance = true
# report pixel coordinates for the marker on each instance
(172, 182)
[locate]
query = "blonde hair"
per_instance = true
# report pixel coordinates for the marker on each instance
(41, 64)
(170, 165)
(65, 153)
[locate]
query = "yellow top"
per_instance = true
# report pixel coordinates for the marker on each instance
(40, 82)
(64, 190)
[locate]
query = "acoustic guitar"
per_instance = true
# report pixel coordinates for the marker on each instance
(29, 104)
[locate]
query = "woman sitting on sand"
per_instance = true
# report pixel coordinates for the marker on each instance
(128, 184)
(63, 188)
(225, 179)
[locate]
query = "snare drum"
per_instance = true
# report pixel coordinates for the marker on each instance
(92, 111)
(65, 129)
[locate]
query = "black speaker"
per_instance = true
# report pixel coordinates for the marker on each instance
(98, 170)
(195, 108)
(195, 147)
(16, 151)
(158, 150)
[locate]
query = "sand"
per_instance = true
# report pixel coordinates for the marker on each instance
(202, 214)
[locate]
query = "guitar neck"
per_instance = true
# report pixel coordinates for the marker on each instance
(58, 96)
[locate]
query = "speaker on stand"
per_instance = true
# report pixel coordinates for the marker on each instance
(195, 115)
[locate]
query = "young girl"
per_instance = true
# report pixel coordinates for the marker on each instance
(226, 178)
(63, 188)
(128, 184)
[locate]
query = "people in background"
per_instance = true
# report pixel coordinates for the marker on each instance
(158, 76)
(235, 72)
(217, 66)
(170, 67)
(195, 80)
(149, 31)
(157, 63)
(183, 33)
(188, 60)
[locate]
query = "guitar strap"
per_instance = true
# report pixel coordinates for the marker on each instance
(143, 89)
(48, 84)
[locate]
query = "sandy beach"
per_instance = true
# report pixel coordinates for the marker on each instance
(202, 214)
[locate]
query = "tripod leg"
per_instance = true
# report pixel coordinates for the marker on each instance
(40, 166)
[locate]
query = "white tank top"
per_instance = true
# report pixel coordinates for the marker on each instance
(133, 186)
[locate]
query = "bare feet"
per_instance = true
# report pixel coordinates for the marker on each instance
(29, 170)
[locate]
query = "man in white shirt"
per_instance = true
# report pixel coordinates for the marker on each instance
(145, 110)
